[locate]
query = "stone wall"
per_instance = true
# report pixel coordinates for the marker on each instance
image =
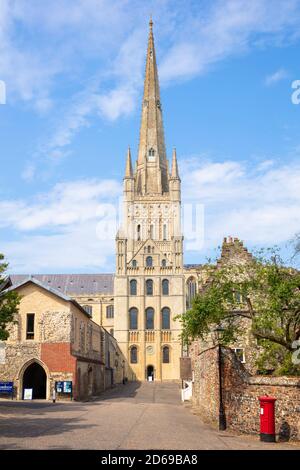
(240, 393)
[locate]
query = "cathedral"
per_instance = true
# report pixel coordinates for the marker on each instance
(137, 308)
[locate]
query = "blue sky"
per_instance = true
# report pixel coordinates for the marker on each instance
(74, 77)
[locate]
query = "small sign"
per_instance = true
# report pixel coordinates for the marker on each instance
(59, 387)
(68, 386)
(28, 393)
(6, 387)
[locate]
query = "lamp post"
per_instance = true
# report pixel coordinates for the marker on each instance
(222, 418)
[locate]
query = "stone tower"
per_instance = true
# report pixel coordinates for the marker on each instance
(149, 281)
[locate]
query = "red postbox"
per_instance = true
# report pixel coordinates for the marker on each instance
(267, 419)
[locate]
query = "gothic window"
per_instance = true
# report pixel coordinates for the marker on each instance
(149, 249)
(166, 355)
(138, 232)
(110, 311)
(165, 234)
(191, 291)
(133, 318)
(149, 262)
(149, 287)
(151, 232)
(133, 355)
(151, 152)
(165, 287)
(164, 263)
(165, 318)
(133, 287)
(150, 318)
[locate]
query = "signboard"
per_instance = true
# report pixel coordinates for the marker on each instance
(59, 386)
(28, 393)
(68, 387)
(186, 368)
(63, 386)
(6, 387)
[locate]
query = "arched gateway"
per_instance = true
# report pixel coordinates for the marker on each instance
(35, 378)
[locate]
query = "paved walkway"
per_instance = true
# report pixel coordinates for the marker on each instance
(135, 416)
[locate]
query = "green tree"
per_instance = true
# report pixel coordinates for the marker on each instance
(262, 290)
(9, 302)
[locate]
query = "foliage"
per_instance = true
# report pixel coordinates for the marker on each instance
(262, 291)
(9, 302)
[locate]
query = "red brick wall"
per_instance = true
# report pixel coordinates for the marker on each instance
(58, 357)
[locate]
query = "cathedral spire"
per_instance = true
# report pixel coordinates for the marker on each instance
(152, 174)
(128, 170)
(174, 169)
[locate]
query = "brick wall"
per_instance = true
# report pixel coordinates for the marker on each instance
(240, 393)
(58, 358)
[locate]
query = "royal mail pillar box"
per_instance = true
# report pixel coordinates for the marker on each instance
(267, 419)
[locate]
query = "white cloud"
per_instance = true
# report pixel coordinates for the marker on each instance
(73, 226)
(276, 77)
(259, 205)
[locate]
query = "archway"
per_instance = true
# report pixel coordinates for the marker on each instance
(150, 373)
(35, 377)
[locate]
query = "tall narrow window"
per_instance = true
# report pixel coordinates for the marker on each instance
(149, 249)
(110, 311)
(149, 262)
(138, 232)
(133, 287)
(133, 355)
(149, 318)
(165, 234)
(165, 287)
(165, 318)
(133, 318)
(151, 232)
(166, 354)
(134, 263)
(30, 326)
(191, 291)
(149, 287)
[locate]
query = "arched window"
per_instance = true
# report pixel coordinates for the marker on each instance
(149, 287)
(164, 263)
(149, 261)
(134, 263)
(133, 318)
(110, 311)
(138, 232)
(149, 249)
(165, 233)
(88, 309)
(133, 287)
(191, 291)
(165, 318)
(166, 355)
(150, 318)
(133, 355)
(151, 152)
(165, 287)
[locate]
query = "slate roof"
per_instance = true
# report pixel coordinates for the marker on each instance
(56, 292)
(72, 284)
